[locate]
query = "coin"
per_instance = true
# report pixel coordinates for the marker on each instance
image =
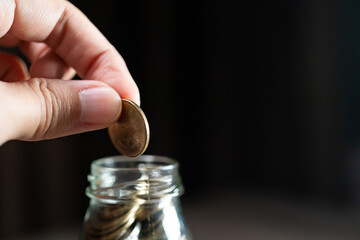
(130, 134)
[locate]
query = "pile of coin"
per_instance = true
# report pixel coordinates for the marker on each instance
(121, 221)
(137, 216)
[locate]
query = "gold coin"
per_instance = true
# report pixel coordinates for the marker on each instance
(130, 134)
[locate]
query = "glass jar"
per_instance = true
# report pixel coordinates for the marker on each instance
(134, 198)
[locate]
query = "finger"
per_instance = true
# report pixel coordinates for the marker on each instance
(41, 109)
(72, 36)
(12, 68)
(45, 63)
(9, 41)
(33, 50)
(50, 65)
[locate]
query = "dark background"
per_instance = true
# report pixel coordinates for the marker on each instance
(255, 99)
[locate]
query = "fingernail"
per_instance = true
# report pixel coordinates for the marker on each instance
(99, 105)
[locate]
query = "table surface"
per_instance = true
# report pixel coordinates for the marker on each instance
(255, 217)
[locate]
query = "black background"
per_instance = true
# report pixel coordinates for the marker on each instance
(249, 96)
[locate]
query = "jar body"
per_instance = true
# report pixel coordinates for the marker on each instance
(121, 221)
(140, 205)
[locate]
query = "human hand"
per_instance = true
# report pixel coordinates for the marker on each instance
(59, 41)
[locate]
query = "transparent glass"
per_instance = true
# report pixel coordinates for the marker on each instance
(134, 198)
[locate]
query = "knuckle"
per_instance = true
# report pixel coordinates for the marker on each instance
(51, 105)
(7, 16)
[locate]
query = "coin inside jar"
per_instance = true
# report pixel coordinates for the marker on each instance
(130, 134)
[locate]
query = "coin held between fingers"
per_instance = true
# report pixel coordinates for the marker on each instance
(130, 135)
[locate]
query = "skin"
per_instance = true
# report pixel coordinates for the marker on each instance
(59, 40)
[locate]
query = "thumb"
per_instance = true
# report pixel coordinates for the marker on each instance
(42, 109)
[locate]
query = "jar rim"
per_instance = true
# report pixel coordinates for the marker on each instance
(106, 163)
(116, 179)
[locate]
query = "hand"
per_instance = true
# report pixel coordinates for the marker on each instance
(59, 41)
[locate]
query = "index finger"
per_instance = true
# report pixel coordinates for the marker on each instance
(72, 36)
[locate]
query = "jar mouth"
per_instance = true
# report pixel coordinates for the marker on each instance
(143, 162)
(146, 178)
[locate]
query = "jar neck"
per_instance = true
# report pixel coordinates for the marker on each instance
(145, 179)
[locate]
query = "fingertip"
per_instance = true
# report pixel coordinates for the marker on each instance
(136, 98)
(99, 105)
(132, 93)
(12, 68)
(125, 86)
